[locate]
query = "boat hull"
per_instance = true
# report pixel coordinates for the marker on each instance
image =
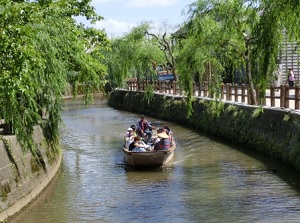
(149, 158)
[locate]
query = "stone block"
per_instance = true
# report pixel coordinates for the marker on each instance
(3, 215)
(27, 159)
(27, 186)
(3, 205)
(22, 202)
(16, 147)
(11, 211)
(6, 172)
(4, 159)
(14, 196)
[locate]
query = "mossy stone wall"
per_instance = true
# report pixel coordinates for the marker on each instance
(273, 131)
(22, 179)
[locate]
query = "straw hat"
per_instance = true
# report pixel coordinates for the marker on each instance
(163, 135)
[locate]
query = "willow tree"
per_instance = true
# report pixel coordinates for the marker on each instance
(216, 41)
(237, 33)
(40, 43)
(133, 55)
(166, 46)
(277, 19)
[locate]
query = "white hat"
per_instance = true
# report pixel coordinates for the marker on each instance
(129, 129)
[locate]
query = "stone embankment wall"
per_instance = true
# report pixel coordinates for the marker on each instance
(22, 177)
(275, 132)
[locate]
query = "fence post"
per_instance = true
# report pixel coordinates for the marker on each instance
(248, 98)
(169, 87)
(228, 92)
(236, 92)
(159, 87)
(174, 88)
(243, 92)
(297, 96)
(287, 95)
(282, 96)
(272, 95)
(205, 89)
(222, 90)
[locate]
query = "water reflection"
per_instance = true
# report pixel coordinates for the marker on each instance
(208, 181)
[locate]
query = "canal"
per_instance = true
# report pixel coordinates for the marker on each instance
(209, 181)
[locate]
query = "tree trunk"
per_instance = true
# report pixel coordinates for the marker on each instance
(251, 93)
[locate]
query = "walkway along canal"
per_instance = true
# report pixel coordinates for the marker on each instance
(209, 181)
(282, 96)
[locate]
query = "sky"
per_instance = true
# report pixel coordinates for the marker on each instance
(122, 15)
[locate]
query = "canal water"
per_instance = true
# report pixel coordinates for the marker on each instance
(209, 181)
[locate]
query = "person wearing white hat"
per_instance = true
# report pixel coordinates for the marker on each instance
(128, 138)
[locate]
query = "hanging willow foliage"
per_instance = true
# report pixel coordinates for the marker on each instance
(40, 44)
(227, 36)
(133, 55)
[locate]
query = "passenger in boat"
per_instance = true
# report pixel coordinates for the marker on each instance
(138, 145)
(169, 132)
(129, 132)
(156, 139)
(129, 136)
(133, 130)
(145, 128)
(163, 143)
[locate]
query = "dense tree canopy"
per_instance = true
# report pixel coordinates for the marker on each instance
(277, 19)
(221, 38)
(133, 55)
(42, 49)
(215, 44)
(225, 36)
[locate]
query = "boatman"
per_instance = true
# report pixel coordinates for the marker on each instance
(145, 128)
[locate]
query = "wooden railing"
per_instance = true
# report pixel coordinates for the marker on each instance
(283, 96)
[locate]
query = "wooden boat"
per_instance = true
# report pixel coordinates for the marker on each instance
(149, 158)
